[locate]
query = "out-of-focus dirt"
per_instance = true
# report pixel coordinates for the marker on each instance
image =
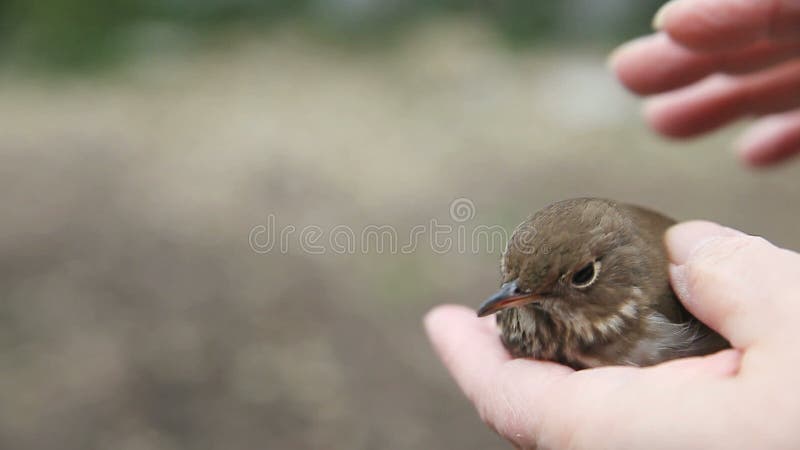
(135, 314)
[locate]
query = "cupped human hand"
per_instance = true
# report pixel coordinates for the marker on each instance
(714, 61)
(742, 286)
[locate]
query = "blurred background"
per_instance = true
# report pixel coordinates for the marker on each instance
(142, 144)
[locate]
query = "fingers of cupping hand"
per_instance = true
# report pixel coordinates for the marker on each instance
(742, 286)
(725, 24)
(655, 64)
(468, 346)
(503, 390)
(719, 99)
(541, 404)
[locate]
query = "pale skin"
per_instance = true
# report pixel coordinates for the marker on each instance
(715, 61)
(741, 286)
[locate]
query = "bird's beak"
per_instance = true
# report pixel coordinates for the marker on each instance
(506, 297)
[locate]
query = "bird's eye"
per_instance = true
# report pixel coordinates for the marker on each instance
(586, 275)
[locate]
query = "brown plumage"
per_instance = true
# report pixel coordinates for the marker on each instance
(586, 284)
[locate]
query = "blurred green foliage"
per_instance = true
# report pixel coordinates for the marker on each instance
(91, 33)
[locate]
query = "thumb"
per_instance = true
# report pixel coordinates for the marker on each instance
(741, 286)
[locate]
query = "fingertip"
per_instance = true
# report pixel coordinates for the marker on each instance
(452, 328)
(727, 280)
(751, 153)
(771, 140)
(743, 148)
(618, 63)
(443, 320)
(655, 112)
(660, 17)
(685, 238)
(724, 24)
(439, 313)
(756, 138)
(448, 314)
(708, 25)
(632, 64)
(626, 52)
(666, 114)
(748, 158)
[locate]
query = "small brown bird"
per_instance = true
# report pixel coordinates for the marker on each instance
(586, 284)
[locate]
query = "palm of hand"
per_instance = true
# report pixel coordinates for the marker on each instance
(736, 284)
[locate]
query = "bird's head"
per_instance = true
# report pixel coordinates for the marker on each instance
(580, 258)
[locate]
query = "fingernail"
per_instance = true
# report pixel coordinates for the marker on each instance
(658, 19)
(684, 238)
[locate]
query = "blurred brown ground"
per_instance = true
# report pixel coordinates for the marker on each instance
(135, 315)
